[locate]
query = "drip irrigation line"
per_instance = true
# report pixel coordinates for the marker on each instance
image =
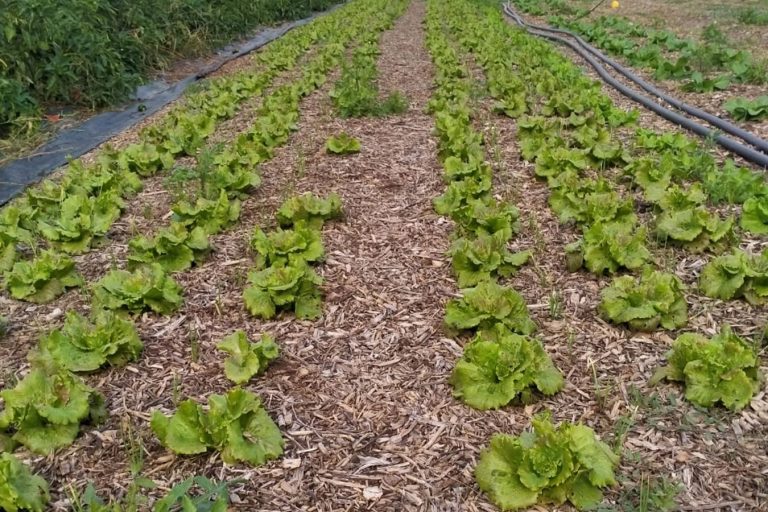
(591, 55)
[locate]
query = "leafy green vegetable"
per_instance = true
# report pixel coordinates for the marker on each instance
(732, 184)
(693, 228)
(287, 246)
(211, 216)
(144, 159)
(247, 359)
(589, 201)
(737, 275)
(235, 424)
(44, 411)
(488, 216)
(294, 285)
(343, 144)
(174, 248)
(499, 365)
(19, 488)
(547, 465)
(212, 497)
(724, 369)
(42, 279)
(79, 220)
(484, 257)
(654, 299)
(310, 209)
(754, 216)
(610, 246)
(487, 304)
(81, 346)
(743, 109)
(147, 287)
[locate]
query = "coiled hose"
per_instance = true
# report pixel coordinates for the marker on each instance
(591, 54)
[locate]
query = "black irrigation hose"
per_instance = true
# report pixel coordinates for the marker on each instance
(583, 49)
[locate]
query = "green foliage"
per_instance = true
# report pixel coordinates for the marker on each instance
(484, 257)
(96, 52)
(310, 209)
(210, 496)
(686, 223)
(548, 465)
(283, 247)
(611, 246)
(42, 279)
(655, 299)
(736, 275)
(147, 287)
(487, 216)
(754, 215)
(742, 109)
(174, 248)
(19, 112)
(210, 215)
(79, 220)
(44, 411)
(82, 346)
(294, 286)
(498, 366)
(144, 159)
(342, 144)
(247, 359)
(732, 184)
(487, 304)
(19, 488)
(722, 369)
(589, 201)
(236, 424)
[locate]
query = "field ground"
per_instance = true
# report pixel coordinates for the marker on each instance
(362, 395)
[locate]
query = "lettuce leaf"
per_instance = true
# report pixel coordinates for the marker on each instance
(147, 287)
(548, 465)
(174, 248)
(500, 365)
(19, 488)
(294, 286)
(487, 304)
(42, 279)
(209, 215)
(722, 369)
(655, 299)
(82, 346)
(309, 209)
(484, 257)
(610, 246)
(283, 247)
(247, 359)
(236, 424)
(44, 411)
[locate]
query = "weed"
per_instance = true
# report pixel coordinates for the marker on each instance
(555, 305)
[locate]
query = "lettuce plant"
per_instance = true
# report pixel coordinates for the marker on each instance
(754, 216)
(82, 346)
(287, 246)
(147, 287)
(293, 286)
(209, 215)
(652, 175)
(236, 424)
(696, 229)
(79, 220)
(174, 248)
(548, 465)
(455, 169)
(12, 233)
(655, 299)
(610, 246)
(736, 275)
(310, 209)
(484, 257)
(499, 365)
(743, 109)
(342, 144)
(231, 172)
(487, 304)
(488, 216)
(42, 279)
(44, 411)
(588, 201)
(144, 159)
(20, 489)
(552, 161)
(247, 359)
(460, 195)
(722, 369)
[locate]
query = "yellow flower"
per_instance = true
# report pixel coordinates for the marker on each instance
(615, 4)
